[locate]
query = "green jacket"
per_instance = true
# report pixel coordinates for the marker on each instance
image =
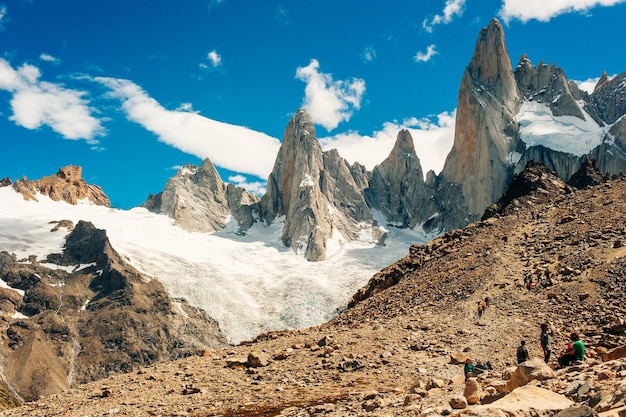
(579, 350)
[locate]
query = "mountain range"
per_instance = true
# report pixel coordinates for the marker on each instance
(96, 302)
(505, 117)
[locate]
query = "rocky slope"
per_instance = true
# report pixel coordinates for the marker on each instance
(85, 314)
(397, 350)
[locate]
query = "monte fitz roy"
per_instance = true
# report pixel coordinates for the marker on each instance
(205, 263)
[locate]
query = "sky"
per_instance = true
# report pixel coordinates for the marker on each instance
(132, 91)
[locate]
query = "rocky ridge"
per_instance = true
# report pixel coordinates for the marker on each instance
(398, 350)
(66, 185)
(85, 314)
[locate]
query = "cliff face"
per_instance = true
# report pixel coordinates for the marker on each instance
(315, 192)
(198, 200)
(397, 188)
(485, 129)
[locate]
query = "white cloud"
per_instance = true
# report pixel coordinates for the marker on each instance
(186, 107)
(589, 84)
(49, 58)
(426, 56)
(214, 58)
(36, 103)
(369, 54)
(452, 8)
(543, 10)
(3, 15)
(232, 147)
(254, 187)
(433, 140)
(329, 102)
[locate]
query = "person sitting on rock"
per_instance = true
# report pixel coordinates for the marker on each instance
(522, 352)
(575, 352)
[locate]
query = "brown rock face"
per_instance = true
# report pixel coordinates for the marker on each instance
(85, 325)
(67, 185)
(483, 141)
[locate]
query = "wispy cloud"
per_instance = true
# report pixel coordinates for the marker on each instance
(36, 103)
(280, 14)
(215, 3)
(542, 10)
(3, 16)
(369, 53)
(236, 148)
(329, 102)
(426, 56)
(49, 58)
(433, 138)
(452, 9)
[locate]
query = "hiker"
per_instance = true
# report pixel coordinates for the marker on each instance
(544, 338)
(468, 369)
(575, 353)
(528, 282)
(481, 308)
(482, 366)
(522, 352)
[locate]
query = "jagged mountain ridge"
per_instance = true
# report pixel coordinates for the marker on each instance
(397, 351)
(320, 198)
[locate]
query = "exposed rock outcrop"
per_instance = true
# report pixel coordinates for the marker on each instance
(588, 175)
(67, 185)
(198, 200)
(485, 123)
(397, 188)
(104, 317)
(535, 185)
(314, 191)
(546, 84)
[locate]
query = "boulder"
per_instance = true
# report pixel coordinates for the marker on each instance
(611, 355)
(527, 397)
(528, 371)
(458, 402)
(472, 391)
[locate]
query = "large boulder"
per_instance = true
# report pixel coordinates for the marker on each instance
(530, 397)
(528, 371)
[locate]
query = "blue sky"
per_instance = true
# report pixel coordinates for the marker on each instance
(132, 90)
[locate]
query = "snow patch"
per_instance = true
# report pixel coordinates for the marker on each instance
(307, 181)
(568, 134)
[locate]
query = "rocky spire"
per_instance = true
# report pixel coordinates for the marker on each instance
(314, 190)
(485, 123)
(603, 80)
(397, 187)
(491, 66)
